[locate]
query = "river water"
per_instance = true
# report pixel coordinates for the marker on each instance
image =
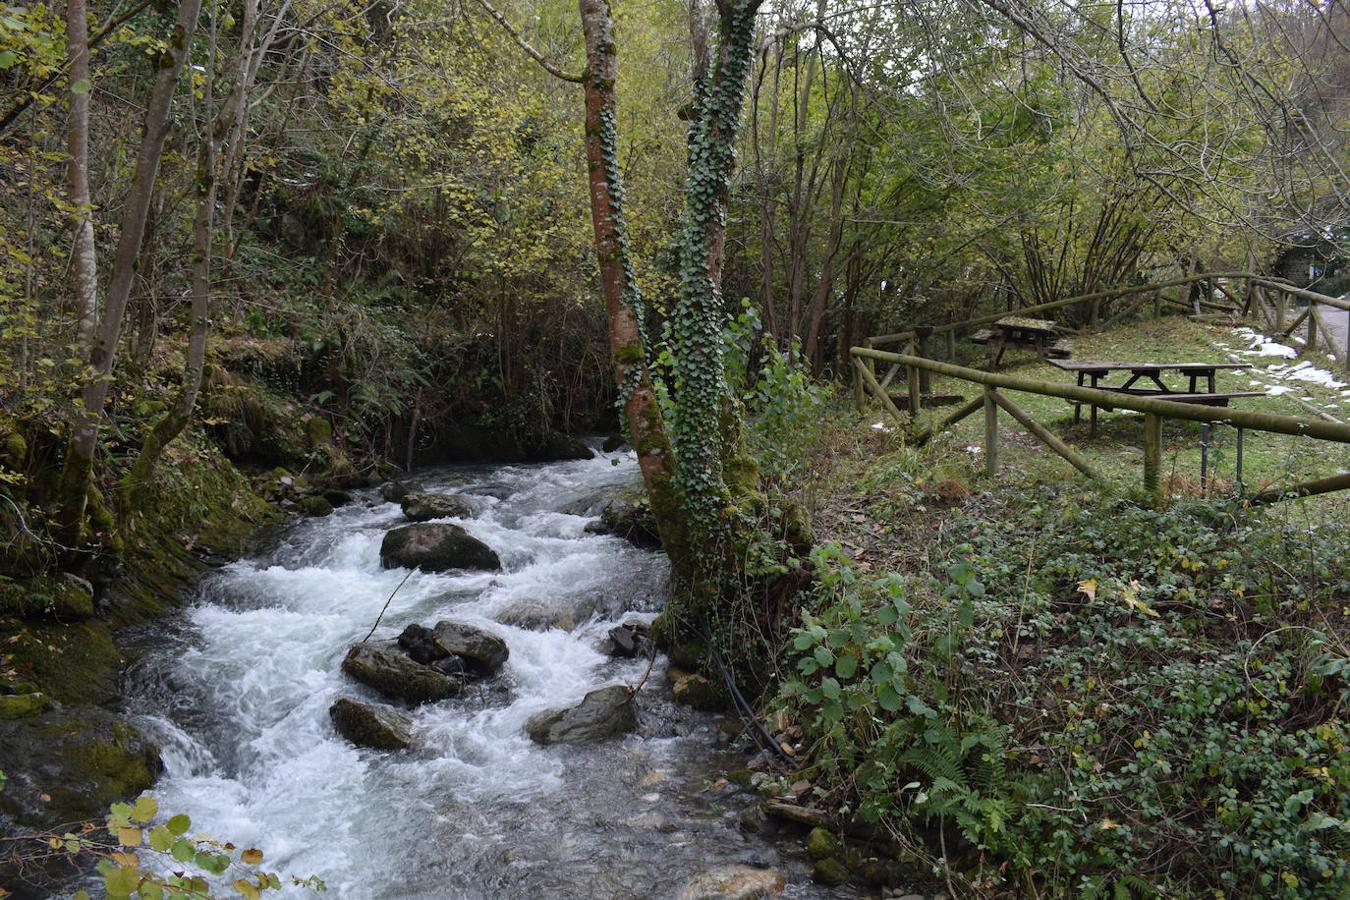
(238, 692)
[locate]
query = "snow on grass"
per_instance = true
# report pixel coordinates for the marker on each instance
(1306, 371)
(1260, 345)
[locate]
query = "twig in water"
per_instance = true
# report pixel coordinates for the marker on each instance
(386, 606)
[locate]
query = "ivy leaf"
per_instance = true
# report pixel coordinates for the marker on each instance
(802, 641)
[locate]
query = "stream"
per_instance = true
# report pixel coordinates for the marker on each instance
(238, 687)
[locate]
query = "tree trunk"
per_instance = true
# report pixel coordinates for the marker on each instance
(623, 299)
(77, 471)
(84, 261)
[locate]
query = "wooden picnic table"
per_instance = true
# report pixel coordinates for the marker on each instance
(1042, 335)
(1200, 389)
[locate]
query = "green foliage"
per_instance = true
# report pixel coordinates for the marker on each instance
(151, 859)
(782, 402)
(1107, 698)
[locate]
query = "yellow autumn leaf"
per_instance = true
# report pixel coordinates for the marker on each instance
(1088, 587)
(1130, 594)
(129, 836)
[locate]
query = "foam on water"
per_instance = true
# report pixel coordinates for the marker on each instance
(240, 702)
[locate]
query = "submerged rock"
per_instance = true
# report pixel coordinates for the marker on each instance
(383, 666)
(484, 652)
(436, 547)
(368, 725)
(421, 507)
(603, 713)
(627, 640)
(555, 445)
(537, 616)
(614, 442)
(733, 883)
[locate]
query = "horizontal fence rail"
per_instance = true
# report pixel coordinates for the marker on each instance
(1153, 408)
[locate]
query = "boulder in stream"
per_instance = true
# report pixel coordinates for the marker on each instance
(733, 883)
(627, 640)
(382, 665)
(603, 713)
(369, 725)
(436, 547)
(455, 647)
(484, 652)
(394, 491)
(631, 520)
(422, 506)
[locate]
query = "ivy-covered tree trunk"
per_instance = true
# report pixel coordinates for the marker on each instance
(701, 484)
(77, 469)
(623, 298)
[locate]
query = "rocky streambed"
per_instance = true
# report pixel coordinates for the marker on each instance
(521, 765)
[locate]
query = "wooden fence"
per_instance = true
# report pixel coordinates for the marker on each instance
(1274, 312)
(1153, 408)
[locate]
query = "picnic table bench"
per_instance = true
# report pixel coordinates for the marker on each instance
(1200, 388)
(1042, 335)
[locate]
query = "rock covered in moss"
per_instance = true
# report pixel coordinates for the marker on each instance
(603, 713)
(733, 883)
(436, 547)
(318, 431)
(822, 843)
(316, 506)
(382, 665)
(21, 706)
(829, 871)
(631, 520)
(699, 692)
(422, 506)
(64, 598)
(369, 725)
(69, 765)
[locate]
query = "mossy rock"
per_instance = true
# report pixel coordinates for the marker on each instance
(73, 663)
(15, 450)
(822, 843)
(829, 871)
(21, 706)
(318, 431)
(316, 506)
(700, 693)
(61, 599)
(70, 765)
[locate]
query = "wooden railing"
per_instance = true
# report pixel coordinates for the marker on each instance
(1153, 408)
(1255, 302)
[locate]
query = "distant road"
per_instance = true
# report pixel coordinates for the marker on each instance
(1338, 321)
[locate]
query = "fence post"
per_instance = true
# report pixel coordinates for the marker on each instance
(1237, 468)
(990, 431)
(1152, 452)
(921, 334)
(1206, 432)
(951, 345)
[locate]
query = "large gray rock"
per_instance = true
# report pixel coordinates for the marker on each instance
(436, 547)
(421, 507)
(603, 713)
(393, 491)
(733, 883)
(368, 725)
(484, 652)
(384, 667)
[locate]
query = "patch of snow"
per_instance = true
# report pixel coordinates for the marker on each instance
(880, 426)
(974, 448)
(1260, 345)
